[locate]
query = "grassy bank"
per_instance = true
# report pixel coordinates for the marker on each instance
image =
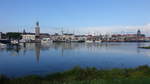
(146, 47)
(77, 75)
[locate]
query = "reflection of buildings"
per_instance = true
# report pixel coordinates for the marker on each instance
(66, 49)
(138, 45)
(62, 47)
(24, 48)
(32, 47)
(14, 49)
(37, 51)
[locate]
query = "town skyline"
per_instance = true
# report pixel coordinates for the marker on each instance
(89, 30)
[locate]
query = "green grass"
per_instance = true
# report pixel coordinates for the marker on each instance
(146, 47)
(77, 75)
(98, 81)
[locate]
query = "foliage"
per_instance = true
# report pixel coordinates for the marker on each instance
(14, 35)
(77, 75)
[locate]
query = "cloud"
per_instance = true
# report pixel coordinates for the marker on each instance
(145, 29)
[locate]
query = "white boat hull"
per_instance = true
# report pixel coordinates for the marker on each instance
(89, 41)
(2, 45)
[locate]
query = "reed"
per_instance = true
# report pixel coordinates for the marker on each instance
(77, 75)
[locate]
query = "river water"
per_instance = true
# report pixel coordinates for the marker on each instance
(42, 59)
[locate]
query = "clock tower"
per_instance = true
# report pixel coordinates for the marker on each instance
(37, 30)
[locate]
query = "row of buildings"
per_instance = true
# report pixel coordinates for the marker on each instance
(65, 37)
(138, 37)
(129, 37)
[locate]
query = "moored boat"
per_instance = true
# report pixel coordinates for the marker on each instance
(98, 41)
(46, 40)
(89, 41)
(2, 45)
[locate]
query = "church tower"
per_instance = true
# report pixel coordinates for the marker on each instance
(24, 31)
(37, 30)
(138, 33)
(0, 35)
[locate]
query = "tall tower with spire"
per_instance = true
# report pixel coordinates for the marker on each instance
(0, 35)
(37, 30)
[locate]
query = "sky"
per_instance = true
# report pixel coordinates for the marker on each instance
(76, 16)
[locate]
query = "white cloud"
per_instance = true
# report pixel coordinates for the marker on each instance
(145, 29)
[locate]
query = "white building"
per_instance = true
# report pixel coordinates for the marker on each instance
(28, 37)
(81, 37)
(68, 37)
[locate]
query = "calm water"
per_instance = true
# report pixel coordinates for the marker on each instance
(42, 59)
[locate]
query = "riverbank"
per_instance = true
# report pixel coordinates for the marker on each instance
(77, 75)
(146, 47)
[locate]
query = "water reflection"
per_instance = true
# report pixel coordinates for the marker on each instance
(37, 51)
(36, 58)
(63, 47)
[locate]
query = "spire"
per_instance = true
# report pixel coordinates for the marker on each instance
(138, 32)
(24, 31)
(37, 23)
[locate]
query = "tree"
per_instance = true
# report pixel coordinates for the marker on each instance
(13, 36)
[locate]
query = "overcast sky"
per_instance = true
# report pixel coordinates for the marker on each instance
(78, 16)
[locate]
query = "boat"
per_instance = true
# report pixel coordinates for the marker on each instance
(81, 41)
(14, 42)
(5, 41)
(2, 45)
(98, 41)
(89, 41)
(22, 41)
(46, 40)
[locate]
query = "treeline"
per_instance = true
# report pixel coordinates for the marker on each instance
(12, 35)
(77, 75)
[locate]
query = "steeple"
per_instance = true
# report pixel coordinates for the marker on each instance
(24, 31)
(37, 24)
(138, 32)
